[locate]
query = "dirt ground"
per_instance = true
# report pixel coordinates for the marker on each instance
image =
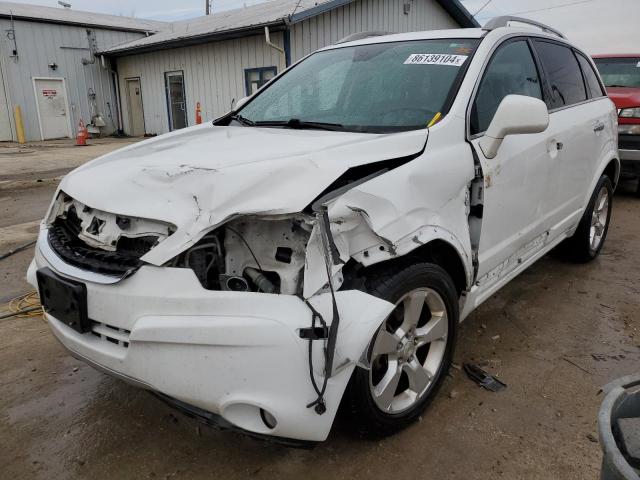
(555, 335)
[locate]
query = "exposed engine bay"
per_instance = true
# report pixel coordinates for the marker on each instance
(252, 254)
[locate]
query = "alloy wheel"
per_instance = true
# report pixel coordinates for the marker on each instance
(599, 219)
(408, 351)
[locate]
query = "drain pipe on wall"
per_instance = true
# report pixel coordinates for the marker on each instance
(268, 41)
(114, 81)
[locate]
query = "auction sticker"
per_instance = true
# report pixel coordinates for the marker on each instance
(435, 59)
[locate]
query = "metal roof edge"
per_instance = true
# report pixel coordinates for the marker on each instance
(80, 24)
(187, 41)
(317, 10)
(459, 13)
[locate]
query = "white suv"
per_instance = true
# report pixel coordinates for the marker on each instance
(321, 243)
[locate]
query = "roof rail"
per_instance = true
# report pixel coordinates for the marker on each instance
(361, 36)
(504, 21)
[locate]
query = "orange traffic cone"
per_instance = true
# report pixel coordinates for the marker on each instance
(198, 114)
(81, 136)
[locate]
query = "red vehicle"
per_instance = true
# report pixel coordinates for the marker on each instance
(621, 75)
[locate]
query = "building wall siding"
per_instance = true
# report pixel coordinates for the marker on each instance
(40, 44)
(213, 76)
(366, 15)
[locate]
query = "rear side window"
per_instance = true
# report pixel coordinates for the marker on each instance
(590, 76)
(511, 71)
(562, 69)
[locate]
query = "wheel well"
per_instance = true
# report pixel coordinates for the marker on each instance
(437, 252)
(446, 256)
(611, 171)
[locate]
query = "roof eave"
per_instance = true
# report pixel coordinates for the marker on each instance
(193, 40)
(459, 13)
(317, 10)
(79, 24)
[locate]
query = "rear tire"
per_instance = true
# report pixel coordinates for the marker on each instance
(409, 354)
(587, 242)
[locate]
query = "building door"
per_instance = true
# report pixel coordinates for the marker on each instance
(134, 104)
(5, 114)
(53, 108)
(176, 101)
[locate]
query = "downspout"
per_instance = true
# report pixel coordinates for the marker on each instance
(116, 81)
(268, 41)
(287, 47)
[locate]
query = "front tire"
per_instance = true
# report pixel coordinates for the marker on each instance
(587, 242)
(411, 352)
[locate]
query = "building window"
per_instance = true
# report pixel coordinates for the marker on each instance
(255, 78)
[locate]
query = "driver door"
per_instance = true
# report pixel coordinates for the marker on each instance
(514, 219)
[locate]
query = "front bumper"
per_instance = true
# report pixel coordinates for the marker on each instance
(629, 148)
(227, 353)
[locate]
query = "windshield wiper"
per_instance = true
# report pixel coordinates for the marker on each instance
(620, 86)
(245, 121)
(297, 123)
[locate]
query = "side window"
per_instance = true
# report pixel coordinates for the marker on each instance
(563, 72)
(512, 70)
(590, 77)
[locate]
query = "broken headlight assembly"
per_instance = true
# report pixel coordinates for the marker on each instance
(100, 241)
(256, 254)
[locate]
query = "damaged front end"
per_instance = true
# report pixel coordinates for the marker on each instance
(246, 298)
(252, 254)
(98, 241)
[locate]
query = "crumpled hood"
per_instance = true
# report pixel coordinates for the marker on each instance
(198, 177)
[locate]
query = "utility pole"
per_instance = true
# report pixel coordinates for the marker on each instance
(207, 8)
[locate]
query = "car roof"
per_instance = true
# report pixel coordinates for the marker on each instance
(470, 33)
(616, 55)
(458, 33)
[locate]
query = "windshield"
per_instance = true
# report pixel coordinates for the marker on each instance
(619, 72)
(382, 87)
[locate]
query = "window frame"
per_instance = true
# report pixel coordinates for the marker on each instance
(594, 67)
(575, 52)
(260, 71)
(546, 89)
(506, 41)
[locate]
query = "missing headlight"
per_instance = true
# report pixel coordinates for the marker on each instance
(266, 255)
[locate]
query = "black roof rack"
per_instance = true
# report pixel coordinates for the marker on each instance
(504, 21)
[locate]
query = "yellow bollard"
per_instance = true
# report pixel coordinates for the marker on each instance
(17, 115)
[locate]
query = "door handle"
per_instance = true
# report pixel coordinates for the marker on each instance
(598, 127)
(559, 145)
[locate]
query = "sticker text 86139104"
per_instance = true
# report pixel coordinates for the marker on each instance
(435, 59)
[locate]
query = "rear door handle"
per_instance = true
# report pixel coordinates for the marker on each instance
(598, 127)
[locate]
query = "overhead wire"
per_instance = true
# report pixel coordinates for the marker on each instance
(552, 7)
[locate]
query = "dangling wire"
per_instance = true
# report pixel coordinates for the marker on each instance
(330, 342)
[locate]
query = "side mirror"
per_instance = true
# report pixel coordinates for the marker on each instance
(516, 114)
(239, 103)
